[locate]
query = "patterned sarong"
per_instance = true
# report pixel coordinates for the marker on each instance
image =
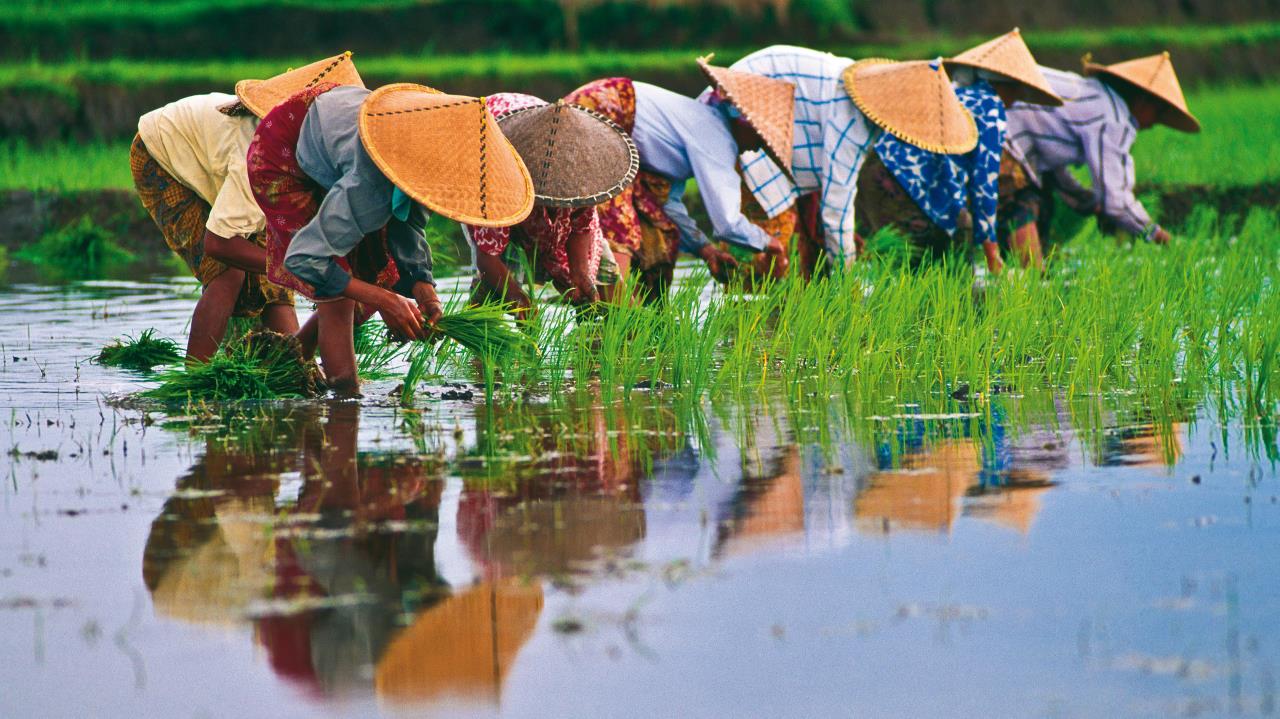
(181, 215)
(290, 199)
(1021, 200)
(882, 202)
(634, 222)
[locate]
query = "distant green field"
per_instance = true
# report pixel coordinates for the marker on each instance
(512, 67)
(1237, 147)
(78, 10)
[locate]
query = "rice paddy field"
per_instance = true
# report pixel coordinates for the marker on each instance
(902, 490)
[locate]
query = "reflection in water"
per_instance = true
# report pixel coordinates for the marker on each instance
(333, 554)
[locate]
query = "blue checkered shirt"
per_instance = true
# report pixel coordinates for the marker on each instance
(830, 142)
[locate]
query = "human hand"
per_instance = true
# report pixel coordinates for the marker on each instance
(1161, 236)
(402, 316)
(719, 262)
(994, 263)
(583, 290)
(424, 293)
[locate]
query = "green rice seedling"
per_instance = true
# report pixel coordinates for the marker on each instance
(82, 250)
(264, 365)
(140, 354)
(375, 350)
(484, 331)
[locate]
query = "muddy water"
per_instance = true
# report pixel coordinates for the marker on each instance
(347, 559)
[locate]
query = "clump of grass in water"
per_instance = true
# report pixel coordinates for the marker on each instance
(264, 365)
(140, 354)
(81, 250)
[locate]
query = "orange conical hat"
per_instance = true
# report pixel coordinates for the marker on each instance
(768, 105)
(1155, 75)
(914, 102)
(261, 96)
(1009, 56)
(447, 152)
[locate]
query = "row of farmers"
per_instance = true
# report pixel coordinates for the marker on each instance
(310, 183)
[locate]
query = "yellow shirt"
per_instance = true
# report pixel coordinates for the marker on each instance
(205, 151)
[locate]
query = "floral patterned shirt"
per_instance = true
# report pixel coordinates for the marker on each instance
(943, 185)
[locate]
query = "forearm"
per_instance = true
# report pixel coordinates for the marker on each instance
(236, 251)
(498, 279)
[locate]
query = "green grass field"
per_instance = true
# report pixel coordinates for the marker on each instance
(1236, 147)
(513, 67)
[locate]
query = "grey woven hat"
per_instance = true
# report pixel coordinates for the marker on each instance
(577, 157)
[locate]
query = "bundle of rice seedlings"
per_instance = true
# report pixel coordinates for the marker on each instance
(375, 350)
(141, 353)
(484, 330)
(262, 365)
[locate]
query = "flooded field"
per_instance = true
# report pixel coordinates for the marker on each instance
(605, 555)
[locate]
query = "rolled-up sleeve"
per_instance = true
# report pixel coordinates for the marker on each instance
(1111, 165)
(353, 207)
(235, 212)
(407, 241)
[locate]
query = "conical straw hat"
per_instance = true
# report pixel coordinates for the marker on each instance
(261, 96)
(914, 102)
(576, 157)
(447, 152)
(1155, 75)
(1009, 57)
(767, 105)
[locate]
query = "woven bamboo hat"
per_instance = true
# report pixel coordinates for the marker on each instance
(576, 157)
(1009, 57)
(767, 105)
(261, 96)
(1153, 74)
(914, 102)
(447, 152)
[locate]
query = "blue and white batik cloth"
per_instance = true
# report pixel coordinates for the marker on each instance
(943, 185)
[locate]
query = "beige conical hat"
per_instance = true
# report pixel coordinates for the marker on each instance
(447, 152)
(914, 102)
(261, 96)
(767, 105)
(576, 157)
(1009, 57)
(1155, 75)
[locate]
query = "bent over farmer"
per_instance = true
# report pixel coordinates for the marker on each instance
(679, 139)
(1096, 127)
(346, 177)
(577, 159)
(933, 198)
(840, 110)
(188, 164)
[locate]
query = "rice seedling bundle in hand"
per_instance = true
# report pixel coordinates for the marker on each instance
(484, 330)
(263, 365)
(141, 354)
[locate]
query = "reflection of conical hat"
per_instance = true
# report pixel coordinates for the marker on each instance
(1014, 505)
(461, 647)
(261, 96)
(924, 494)
(1153, 74)
(214, 581)
(577, 157)
(446, 152)
(557, 536)
(914, 102)
(766, 104)
(774, 514)
(1009, 56)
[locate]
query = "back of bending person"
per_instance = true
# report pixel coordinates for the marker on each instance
(928, 196)
(1104, 111)
(188, 164)
(577, 159)
(346, 176)
(834, 129)
(679, 139)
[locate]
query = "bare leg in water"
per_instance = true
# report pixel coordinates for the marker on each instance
(213, 311)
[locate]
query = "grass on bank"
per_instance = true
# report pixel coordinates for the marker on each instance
(1236, 147)
(513, 68)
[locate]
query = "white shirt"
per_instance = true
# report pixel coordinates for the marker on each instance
(205, 151)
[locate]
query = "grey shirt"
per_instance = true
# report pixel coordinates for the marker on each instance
(358, 201)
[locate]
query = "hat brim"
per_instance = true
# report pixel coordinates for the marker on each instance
(776, 154)
(606, 194)
(869, 107)
(1026, 91)
(1171, 115)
